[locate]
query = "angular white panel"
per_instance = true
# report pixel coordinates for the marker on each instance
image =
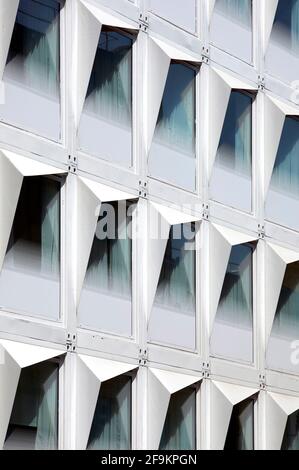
(87, 393)
(277, 260)
(234, 82)
(224, 397)
(174, 216)
(105, 17)
(29, 167)
(91, 372)
(273, 127)
(87, 38)
(175, 53)
(157, 405)
(276, 420)
(233, 237)
(105, 369)
(286, 108)
(158, 63)
(10, 183)
(288, 256)
(88, 209)
(276, 269)
(161, 385)
(220, 250)
(235, 393)
(26, 355)
(173, 381)
(270, 7)
(287, 403)
(8, 13)
(106, 193)
(9, 378)
(219, 94)
(220, 413)
(158, 235)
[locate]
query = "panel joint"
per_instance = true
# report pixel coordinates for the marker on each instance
(205, 55)
(143, 22)
(206, 370)
(143, 189)
(71, 342)
(72, 164)
(143, 357)
(262, 381)
(206, 212)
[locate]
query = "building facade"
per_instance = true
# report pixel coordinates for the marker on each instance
(149, 224)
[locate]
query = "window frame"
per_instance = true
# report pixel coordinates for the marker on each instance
(234, 361)
(134, 107)
(62, 262)
(197, 319)
(197, 132)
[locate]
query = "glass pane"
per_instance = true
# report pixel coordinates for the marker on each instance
(32, 73)
(179, 432)
(232, 173)
(177, 12)
(31, 269)
(172, 154)
(232, 332)
(175, 297)
(284, 186)
(286, 322)
(111, 427)
(240, 434)
(231, 27)
(34, 419)
(108, 281)
(108, 105)
(291, 435)
(282, 58)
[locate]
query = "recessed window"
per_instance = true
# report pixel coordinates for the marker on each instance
(282, 57)
(30, 277)
(178, 13)
(240, 434)
(286, 322)
(284, 186)
(174, 303)
(111, 427)
(106, 298)
(291, 435)
(108, 104)
(172, 155)
(179, 432)
(34, 420)
(32, 73)
(232, 334)
(231, 181)
(231, 27)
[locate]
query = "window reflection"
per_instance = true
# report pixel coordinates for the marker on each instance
(108, 105)
(172, 154)
(32, 72)
(175, 297)
(240, 434)
(111, 427)
(179, 432)
(30, 278)
(232, 173)
(232, 331)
